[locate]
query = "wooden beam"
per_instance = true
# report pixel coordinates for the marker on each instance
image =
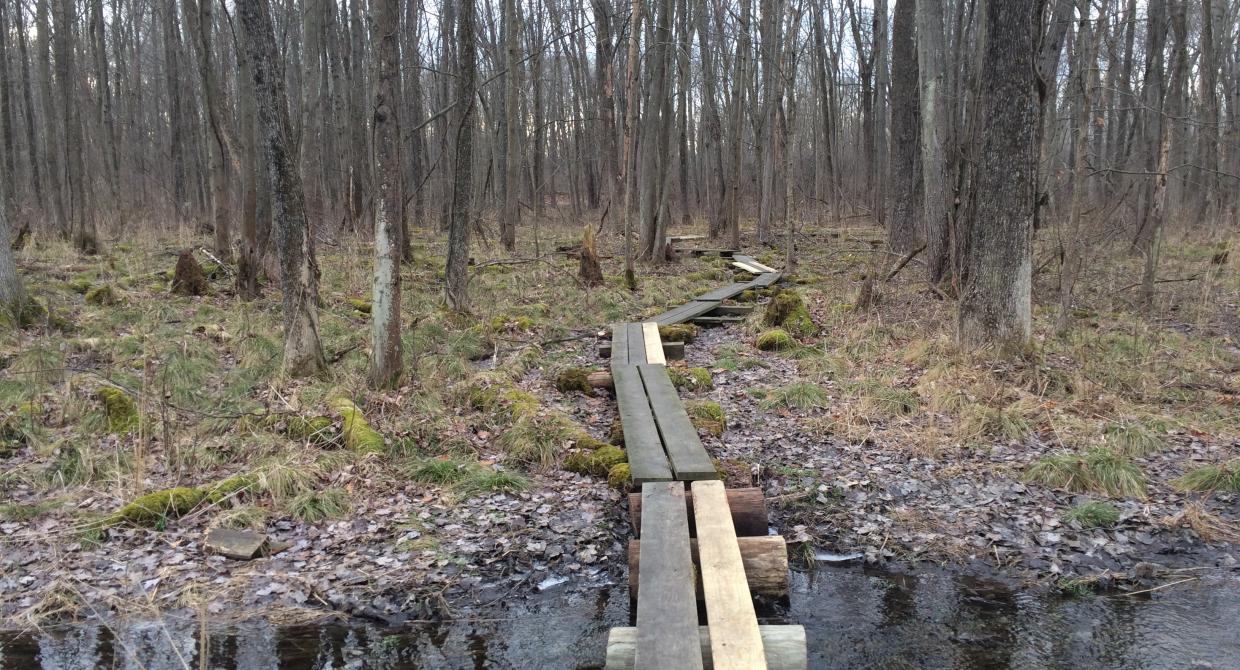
(667, 631)
(736, 645)
(647, 461)
(637, 344)
(784, 647)
(765, 560)
(748, 507)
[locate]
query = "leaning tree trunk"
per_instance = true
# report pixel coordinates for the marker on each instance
(385, 345)
(996, 302)
(463, 184)
(303, 353)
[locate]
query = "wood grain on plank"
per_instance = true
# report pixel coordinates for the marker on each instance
(784, 647)
(647, 461)
(654, 345)
(684, 448)
(619, 344)
(736, 644)
(667, 626)
(637, 344)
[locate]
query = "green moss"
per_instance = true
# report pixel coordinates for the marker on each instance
(155, 508)
(597, 463)
(620, 477)
(708, 416)
(103, 294)
(788, 310)
(80, 284)
(775, 340)
(511, 323)
(358, 435)
(690, 379)
(573, 379)
(120, 410)
(315, 429)
(679, 332)
(359, 305)
(222, 490)
(615, 434)
(584, 440)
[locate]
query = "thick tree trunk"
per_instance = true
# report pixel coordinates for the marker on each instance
(604, 60)
(932, 69)
(995, 304)
(456, 274)
(906, 187)
(303, 353)
(82, 222)
(386, 365)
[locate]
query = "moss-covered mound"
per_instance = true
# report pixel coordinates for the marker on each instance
(707, 415)
(574, 379)
(358, 435)
(620, 477)
(787, 309)
(102, 295)
(679, 332)
(690, 379)
(597, 463)
(120, 410)
(776, 339)
(188, 278)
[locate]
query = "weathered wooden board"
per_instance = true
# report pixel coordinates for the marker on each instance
(765, 280)
(647, 461)
(619, 344)
(672, 351)
(726, 253)
(637, 344)
(685, 312)
(688, 458)
(654, 345)
(748, 507)
(667, 630)
(717, 320)
(724, 292)
(732, 310)
(746, 267)
(783, 646)
(753, 262)
(737, 644)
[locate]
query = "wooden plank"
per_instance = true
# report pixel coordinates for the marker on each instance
(723, 292)
(619, 344)
(688, 458)
(685, 312)
(753, 262)
(737, 644)
(654, 345)
(732, 310)
(667, 630)
(746, 267)
(766, 280)
(637, 344)
(647, 462)
(783, 646)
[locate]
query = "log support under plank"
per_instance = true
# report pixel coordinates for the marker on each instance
(783, 647)
(748, 507)
(765, 560)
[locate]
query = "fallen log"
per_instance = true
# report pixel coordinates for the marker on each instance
(765, 560)
(748, 512)
(783, 646)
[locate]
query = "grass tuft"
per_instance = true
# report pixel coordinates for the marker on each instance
(1100, 469)
(801, 396)
(1218, 477)
(312, 506)
(1093, 514)
(1137, 437)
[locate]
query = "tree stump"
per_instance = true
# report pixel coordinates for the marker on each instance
(591, 271)
(188, 278)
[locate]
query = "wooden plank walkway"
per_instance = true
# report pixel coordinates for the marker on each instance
(665, 455)
(667, 634)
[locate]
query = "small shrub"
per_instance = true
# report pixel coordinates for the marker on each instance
(1219, 477)
(1137, 437)
(708, 416)
(1099, 469)
(691, 379)
(1093, 514)
(797, 396)
(775, 340)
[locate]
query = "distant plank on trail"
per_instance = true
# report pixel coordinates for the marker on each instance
(765, 280)
(667, 626)
(723, 293)
(686, 312)
(647, 462)
(736, 643)
(654, 345)
(751, 261)
(688, 458)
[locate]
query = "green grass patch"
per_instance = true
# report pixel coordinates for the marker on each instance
(1093, 514)
(1218, 477)
(1101, 470)
(803, 396)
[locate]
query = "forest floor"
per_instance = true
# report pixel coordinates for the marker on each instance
(1109, 453)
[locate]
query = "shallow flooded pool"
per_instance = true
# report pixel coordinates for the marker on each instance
(854, 618)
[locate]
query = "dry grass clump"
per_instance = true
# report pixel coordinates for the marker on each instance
(1209, 527)
(1101, 470)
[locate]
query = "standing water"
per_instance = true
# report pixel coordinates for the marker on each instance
(853, 619)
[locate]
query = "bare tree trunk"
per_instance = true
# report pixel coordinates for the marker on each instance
(630, 120)
(1170, 108)
(740, 87)
(996, 302)
(932, 68)
(386, 365)
(882, 80)
(604, 60)
(12, 291)
(82, 222)
(54, 152)
(35, 159)
(303, 353)
(712, 145)
(201, 29)
(456, 274)
(249, 261)
(510, 171)
(906, 207)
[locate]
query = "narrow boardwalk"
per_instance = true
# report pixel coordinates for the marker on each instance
(695, 541)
